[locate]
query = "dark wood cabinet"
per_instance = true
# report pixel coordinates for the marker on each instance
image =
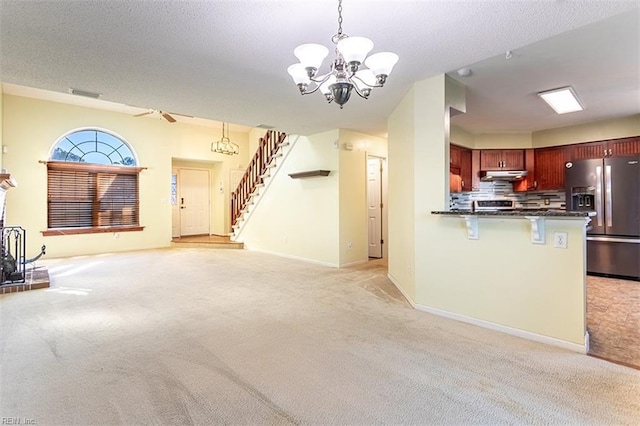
(586, 151)
(454, 155)
(465, 169)
(529, 182)
(549, 167)
(502, 159)
(545, 166)
(460, 166)
(623, 147)
(608, 148)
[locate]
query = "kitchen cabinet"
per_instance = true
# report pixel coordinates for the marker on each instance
(623, 147)
(549, 167)
(502, 159)
(460, 166)
(529, 182)
(609, 148)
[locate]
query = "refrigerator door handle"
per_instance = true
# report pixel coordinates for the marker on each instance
(599, 195)
(607, 195)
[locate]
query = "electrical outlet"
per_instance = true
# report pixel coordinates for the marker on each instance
(560, 240)
(349, 245)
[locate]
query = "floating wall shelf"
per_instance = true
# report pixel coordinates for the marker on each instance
(310, 173)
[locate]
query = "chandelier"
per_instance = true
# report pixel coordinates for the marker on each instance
(224, 145)
(347, 73)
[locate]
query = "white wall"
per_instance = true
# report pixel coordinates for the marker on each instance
(299, 218)
(501, 278)
(31, 127)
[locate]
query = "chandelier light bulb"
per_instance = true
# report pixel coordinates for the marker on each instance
(381, 63)
(355, 49)
(299, 74)
(311, 55)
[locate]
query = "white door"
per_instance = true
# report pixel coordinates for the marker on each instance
(194, 201)
(374, 206)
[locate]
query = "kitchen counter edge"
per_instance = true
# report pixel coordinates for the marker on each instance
(521, 213)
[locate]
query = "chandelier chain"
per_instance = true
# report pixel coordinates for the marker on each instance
(339, 18)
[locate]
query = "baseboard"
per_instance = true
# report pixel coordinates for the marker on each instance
(288, 256)
(575, 347)
(401, 290)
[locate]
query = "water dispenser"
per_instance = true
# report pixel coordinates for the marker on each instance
(582, 198)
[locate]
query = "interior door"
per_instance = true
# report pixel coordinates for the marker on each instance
(194, 201)
(374, 206)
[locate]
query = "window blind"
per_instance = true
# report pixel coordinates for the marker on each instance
(85, 195)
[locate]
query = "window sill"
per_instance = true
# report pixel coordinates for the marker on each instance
(94, 230)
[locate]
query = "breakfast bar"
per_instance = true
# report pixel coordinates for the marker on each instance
(536, 217)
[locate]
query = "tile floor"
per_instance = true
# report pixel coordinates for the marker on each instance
(613, 319)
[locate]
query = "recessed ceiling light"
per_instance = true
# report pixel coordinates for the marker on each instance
(562, 100)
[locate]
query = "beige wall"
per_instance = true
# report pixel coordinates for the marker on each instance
(461, 137)
(402, 133)
(596, 131)
(500, 279)
(352, 169)
(31, 127)
(589, 132)
(1, 121)
(299, 218)
(502, 140)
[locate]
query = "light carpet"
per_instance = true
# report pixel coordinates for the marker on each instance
(201, 336)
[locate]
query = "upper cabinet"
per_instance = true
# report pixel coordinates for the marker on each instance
(502, 159)
(549, 167)
(460, 167)
(610, 148)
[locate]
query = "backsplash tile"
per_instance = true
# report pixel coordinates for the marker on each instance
(492, 190)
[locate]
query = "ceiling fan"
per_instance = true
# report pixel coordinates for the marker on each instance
(162, 114)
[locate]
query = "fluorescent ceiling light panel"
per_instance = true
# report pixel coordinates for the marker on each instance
(562, 100)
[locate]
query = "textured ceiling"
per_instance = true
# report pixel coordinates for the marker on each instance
(227, 60)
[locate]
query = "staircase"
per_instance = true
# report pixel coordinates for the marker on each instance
(264, 164)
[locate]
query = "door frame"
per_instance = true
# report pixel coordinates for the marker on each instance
(176, 170)
(383, 197)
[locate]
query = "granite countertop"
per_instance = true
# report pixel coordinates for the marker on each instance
(525, 212)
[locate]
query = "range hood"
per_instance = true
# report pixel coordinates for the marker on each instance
(502, 175)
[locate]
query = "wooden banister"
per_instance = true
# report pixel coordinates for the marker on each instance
(253, 176)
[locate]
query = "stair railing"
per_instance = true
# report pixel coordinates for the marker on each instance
(267, 149)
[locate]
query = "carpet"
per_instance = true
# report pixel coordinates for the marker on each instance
(201, 336)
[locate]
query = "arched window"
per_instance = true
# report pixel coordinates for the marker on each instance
(93, 146)
(92, 184)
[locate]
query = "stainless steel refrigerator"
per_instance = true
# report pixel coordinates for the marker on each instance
(610, 187)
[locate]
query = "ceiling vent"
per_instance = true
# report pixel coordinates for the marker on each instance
(85, 93)
(265, 126)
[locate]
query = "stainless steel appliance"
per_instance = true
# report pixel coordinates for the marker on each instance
(496, 204)
(502, 175)
(610, 187)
